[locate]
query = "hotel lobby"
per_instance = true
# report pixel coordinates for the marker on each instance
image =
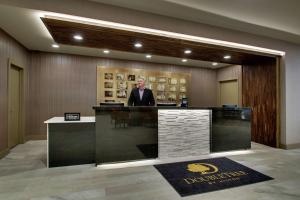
(138, 100)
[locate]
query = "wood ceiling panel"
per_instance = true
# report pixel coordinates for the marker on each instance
(121, 40)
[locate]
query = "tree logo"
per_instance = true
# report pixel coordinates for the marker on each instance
(202, 168)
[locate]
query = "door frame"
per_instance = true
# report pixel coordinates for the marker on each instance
(22, 102)
(219, 91)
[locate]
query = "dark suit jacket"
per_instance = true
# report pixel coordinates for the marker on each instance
(147, 99)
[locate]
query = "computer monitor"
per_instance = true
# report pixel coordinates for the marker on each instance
(229, 106)
(184, 102)
(112, 104)
(166, 104)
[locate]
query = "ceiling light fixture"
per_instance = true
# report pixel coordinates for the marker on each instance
(55, 45)
(227, 57)
(78, 37)
(214, 63)
(184, 60)
(138, 45)
(106, 51)
(188, 51)
(148, 56)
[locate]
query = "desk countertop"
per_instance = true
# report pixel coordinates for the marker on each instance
(57, 120)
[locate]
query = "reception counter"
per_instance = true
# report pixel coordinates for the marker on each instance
(135, 133)
(121, 134)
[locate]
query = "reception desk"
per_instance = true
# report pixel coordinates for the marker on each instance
(136, 133)
(121, 134)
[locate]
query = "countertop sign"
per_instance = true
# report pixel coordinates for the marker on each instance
(72, 116)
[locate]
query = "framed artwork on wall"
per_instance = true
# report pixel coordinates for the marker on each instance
(182, 89)
(152, 79)
(108, 93)
(108, 84)
(121, 93)
(149, 86)
(122, 85)
(115, 84)
(142, 77)
(120, 76)
(173, 88)
(173, 81)
(162, 79)
(182, 81)
(161, 87)
(131, 77)
(108, 76)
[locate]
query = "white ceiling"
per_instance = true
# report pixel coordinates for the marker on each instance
(273, 18)
(26, 27)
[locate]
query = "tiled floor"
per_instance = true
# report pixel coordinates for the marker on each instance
(23, 175)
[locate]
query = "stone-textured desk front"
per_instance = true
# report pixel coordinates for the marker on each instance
(183, 132)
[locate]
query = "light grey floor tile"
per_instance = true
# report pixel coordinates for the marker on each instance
(24, 176)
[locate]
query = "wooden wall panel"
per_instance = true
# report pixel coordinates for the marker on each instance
(67, 83)
(230, 73)
(203, 87)
(9, 49)
(259, 93)
(59, 84)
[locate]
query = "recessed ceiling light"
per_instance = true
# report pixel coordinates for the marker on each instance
(227, 57)
(78, 37)
(138, 45)
(184, 60)
(214, 63)
(148, 56)
(55, 45)
(188, 51)
(106, 51)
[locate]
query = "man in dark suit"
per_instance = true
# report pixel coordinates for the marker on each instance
(141, 96)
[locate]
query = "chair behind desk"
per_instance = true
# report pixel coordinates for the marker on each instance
(166, 105)
(118, 118)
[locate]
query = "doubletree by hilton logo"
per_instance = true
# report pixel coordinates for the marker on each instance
(202, 168)
(207, 174)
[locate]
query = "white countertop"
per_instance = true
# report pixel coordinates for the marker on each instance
(54, 120)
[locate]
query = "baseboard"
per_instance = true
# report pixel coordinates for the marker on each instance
(290, 146)
(35, 137)
(3, 153)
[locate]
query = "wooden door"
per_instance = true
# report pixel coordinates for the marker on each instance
(229, 93)
(260, 92)
(14, 106)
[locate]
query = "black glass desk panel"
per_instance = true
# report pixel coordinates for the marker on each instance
(126, 134)
(231, 129)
